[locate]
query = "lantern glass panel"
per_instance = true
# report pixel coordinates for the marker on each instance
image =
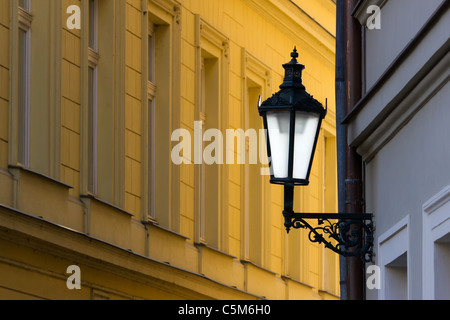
(306, 126)
(278, 126)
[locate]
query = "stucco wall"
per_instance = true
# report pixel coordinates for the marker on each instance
(408, 171)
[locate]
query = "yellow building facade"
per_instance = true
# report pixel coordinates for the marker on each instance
(121, 145)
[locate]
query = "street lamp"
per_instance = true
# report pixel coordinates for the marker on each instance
(292, 119)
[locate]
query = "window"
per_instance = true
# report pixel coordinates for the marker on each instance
(93, 58)
(151, 54)
(396, 279)
(209, 171)
(24, 4)
(151, 160)
(36, 89)
(151, 92)
(211, 99)
(159, 110)
(23, 110)
(436, 247)
(329, 204)
(93, 27)
(441, 267)
(393, 260)
(256, 200)
(156, 114)
(92, 137)
(254, 187)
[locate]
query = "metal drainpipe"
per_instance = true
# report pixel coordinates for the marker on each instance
(340, 128)
(353, 161)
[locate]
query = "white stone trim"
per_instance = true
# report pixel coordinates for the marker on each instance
(391, 245)
(436, 224)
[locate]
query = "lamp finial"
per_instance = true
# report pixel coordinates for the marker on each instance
(294, 54)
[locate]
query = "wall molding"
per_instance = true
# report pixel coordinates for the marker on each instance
(431, 26)
(289, 18)
(404, 107)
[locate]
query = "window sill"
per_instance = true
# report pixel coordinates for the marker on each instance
(245, 262)
(204, 245)
(155, 224)
(96, 199)
(27, 170)
(288, 278)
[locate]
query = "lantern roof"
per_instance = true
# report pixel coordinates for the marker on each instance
(293, 93)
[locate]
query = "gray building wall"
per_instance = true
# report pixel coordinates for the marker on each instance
(401, 128)
(400, 22)
(408, 171)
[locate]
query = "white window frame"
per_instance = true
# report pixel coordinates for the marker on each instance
(391, 245)
(436, 224)
(25, 19)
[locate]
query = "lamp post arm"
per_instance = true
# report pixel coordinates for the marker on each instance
(338, 232)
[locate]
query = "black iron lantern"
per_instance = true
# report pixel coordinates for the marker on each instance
(292, 118)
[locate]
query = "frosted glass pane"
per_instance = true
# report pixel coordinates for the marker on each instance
(305, 133)
(278, 129)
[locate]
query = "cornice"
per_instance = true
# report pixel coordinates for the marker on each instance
(213, 35)
(331, 4)
(297, 24)
(169, 6)
(253, 64)
(65, 243)
(207, 31)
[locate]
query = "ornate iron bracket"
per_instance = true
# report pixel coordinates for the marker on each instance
(349, 235)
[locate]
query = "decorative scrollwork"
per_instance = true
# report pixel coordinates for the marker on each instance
(348, 235)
